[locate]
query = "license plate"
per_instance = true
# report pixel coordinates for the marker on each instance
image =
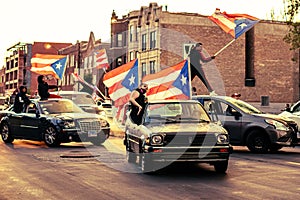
(92, 133)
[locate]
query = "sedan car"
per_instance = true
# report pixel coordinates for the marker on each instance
(248, 126)
(53, 121)
(83, 99)
(176, 131)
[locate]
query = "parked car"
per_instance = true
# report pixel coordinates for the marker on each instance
(53, 121)
(106, 106)
(248, 126)
(293, 113)
(176, 131)
(83, 99)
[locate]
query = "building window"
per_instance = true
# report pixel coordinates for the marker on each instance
(119, 40)
(152, 67)
(136, 33)
(131, 33)
(131, 55)
(144, 69)
(153, 40)
(144, 42)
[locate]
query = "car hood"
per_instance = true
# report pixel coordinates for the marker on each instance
(292, 116)
(187, 128)
(275, 117)
(70, 116)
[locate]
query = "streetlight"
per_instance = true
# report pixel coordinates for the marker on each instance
(49, 46)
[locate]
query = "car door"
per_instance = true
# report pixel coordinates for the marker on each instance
(29, 127)
(231, 119)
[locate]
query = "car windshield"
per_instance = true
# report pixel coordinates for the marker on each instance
(79, 98)
(59, 106)
(245, 107)
(175, 112)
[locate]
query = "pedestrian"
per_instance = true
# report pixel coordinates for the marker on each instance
(138, 101)
(236, 95)
(21, 99)
(196, 59)
(43, 87)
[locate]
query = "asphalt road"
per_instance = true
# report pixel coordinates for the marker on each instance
(31, 170)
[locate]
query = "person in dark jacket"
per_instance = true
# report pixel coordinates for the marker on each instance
(138, 102)
(196, 58)
(43, 87)
(21, 99)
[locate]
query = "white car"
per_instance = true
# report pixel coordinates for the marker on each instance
(293, 113)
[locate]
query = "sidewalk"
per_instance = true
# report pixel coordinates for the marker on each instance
(273, 108)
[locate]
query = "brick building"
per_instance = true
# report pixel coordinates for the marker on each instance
(258, 64)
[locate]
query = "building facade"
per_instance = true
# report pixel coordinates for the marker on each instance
(257, 64)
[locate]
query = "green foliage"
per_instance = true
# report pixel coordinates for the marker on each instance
(293, 36)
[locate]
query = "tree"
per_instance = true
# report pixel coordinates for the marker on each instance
(291, 12)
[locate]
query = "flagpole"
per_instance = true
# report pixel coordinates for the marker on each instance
(224, 47)
(189, 78)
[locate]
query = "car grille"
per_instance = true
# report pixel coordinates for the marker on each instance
(89, 125)
(190, 139)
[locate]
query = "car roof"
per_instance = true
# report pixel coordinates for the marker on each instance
(68, 92)
(211, 97)
(173, 101)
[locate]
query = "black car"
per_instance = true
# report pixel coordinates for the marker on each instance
(53, 121)
(176, 131)
(248, 126)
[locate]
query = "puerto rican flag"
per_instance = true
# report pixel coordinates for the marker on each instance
(121, 82)
(170, 83)
(233, 24)
(47, 64)
(101, 59)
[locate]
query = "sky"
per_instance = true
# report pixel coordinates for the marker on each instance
(71, 20)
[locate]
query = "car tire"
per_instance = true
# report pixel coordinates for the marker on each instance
(51, 137)
(258, 142)
(6, 134)
(221, 167)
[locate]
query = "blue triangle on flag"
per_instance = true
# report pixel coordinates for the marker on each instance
(131, 81)
(182, 82)
(59, 67)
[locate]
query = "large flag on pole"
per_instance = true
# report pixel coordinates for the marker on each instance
(121, 82)
(170, 83)
(233, 24)
(44, 64)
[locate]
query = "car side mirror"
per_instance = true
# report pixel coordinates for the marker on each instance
(99, 103)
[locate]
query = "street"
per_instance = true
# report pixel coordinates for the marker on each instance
(31, 170)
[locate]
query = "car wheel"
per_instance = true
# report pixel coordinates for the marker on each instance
(146, 163)
(221, 167)
(50, 137)
(5, 134)
(258, 142)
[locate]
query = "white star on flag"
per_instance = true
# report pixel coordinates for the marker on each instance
(58, 66)
(183, 80)
(243, 25)
(132, 79)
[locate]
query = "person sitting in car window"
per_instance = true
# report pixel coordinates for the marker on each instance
(21, 100)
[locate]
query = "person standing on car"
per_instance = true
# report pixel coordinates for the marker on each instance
(197, 58)
(21, 99)
(138, 101)
(43, 87)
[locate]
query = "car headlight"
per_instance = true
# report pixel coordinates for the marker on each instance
(69, 124)
(222, 139)
(103, 123)
(277, 125)
(156, 139)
